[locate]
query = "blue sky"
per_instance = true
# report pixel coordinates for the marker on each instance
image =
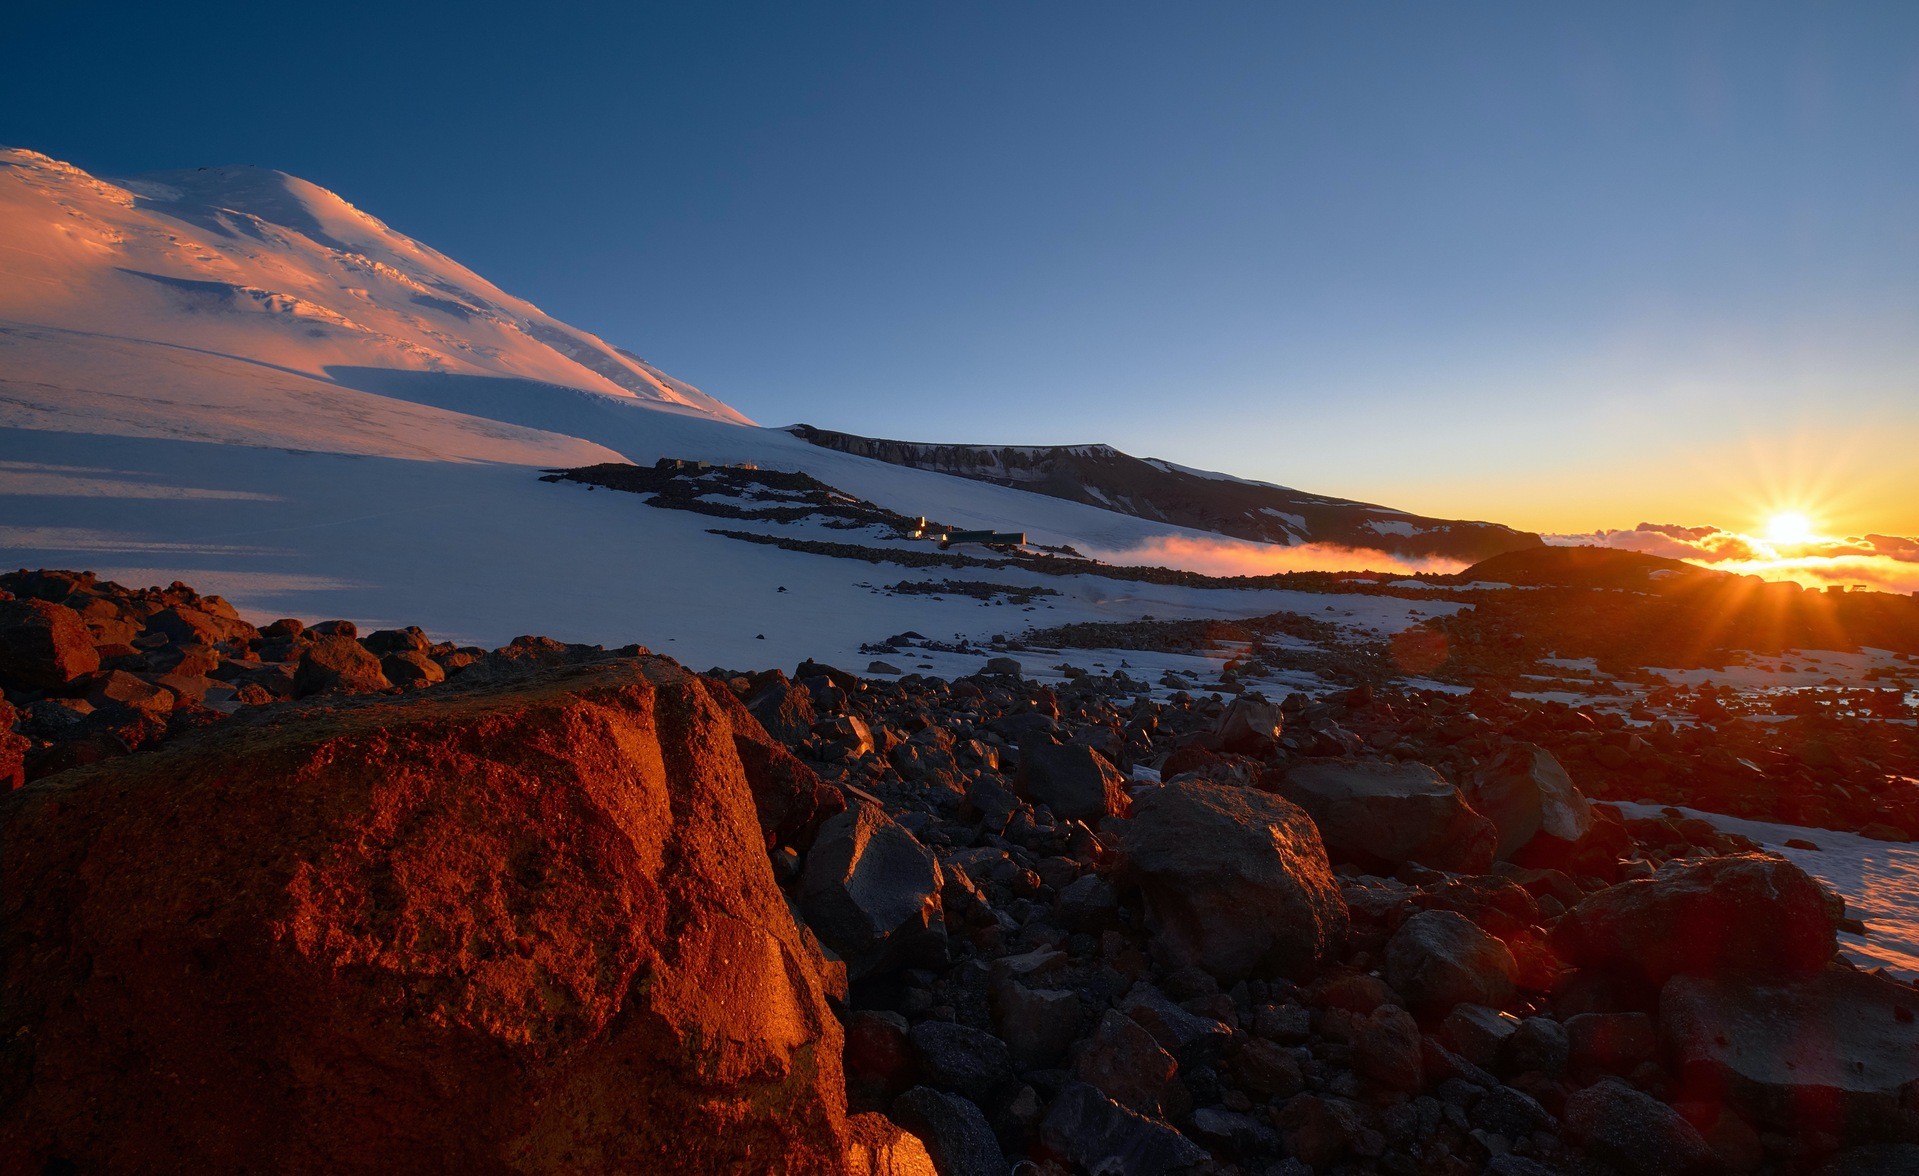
(1564, 266)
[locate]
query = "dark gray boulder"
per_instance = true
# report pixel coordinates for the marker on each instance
(961, 1059)
(1635, 1132)
(1751, 914)
(1234, 882)
(955, 1132)
(1086, 1128)
(1826, 1053)
(1072, 779)
(1382, 814)
(1439, 959)
(871, 892)
(1526, 793)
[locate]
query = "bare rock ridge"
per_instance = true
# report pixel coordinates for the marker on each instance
(1099, 475)
(290, 897)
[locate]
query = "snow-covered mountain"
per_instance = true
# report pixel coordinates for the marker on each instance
(233, 377)
(1149, 488)
(250, 289)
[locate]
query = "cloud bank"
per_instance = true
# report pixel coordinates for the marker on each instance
(1238, 557)
(1889, 563)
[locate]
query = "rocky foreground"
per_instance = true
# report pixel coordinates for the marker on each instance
(296, 899)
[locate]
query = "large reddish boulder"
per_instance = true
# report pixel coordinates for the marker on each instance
(1751, 914)
(337, 664)
(43, 646)
(515, 926)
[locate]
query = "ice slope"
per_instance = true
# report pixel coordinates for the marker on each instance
(483, 552)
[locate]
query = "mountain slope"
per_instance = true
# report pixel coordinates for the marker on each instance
(276, 275)
(1099, 475)
(234, 378)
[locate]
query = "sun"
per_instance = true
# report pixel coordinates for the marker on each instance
(1789, 527)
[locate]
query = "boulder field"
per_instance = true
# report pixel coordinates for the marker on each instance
(294, 898)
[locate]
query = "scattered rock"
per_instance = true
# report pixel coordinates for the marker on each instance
(1439, 959)
(961, 1059)
(1526, 793)
(1753, 914)
(1234, 882)
(1124, 1062)
(337, 664)
(1073, 780)
(43, 646)
(872, 893)
(1635, 1131)
(1086, 1128)
(1382, 813)
(956, 1134)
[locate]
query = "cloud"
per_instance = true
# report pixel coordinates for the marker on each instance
(1889, 563)
(1236, 557)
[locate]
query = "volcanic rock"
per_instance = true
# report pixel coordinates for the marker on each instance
(1234, 882)
(337, 664)
(1635, 1131)
(1829, 1052)
(1193, 1039)
(1249, 726)
(526, 926)
(1086, 1128)
(13, 749)
(1126, 1064)
(791, 799)
(1387, 1049)
(1037, 1024)
(961, 1059)
(871, 892)
(1526, 793)
(1073, 780)
(1751, 913)
(1439, 959)
(43, 646)
(1380, 813)
(956, 1134)
(784, 709)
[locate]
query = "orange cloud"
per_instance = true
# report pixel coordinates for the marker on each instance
(1889, 563)
(1237, 557)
